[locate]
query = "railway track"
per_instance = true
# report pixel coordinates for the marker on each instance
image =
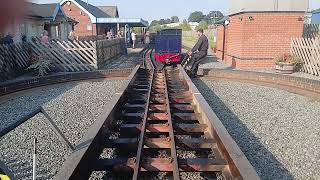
(160, 128)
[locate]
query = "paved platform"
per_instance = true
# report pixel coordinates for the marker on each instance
(212, 62)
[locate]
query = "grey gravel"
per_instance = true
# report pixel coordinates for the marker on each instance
(278, 131)
(72, 106)
(16, 149)
(125, 61)
(13, 107)
(77, 109)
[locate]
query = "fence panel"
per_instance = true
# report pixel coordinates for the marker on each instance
(13, 58)
(66, 56)
(75, 56)
(308, 51)
(311, 30)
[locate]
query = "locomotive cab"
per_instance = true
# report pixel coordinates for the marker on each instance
(168, 46)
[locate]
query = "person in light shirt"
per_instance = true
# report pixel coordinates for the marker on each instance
(45, 37)
(134, 38)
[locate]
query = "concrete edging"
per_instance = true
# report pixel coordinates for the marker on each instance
(290, 83)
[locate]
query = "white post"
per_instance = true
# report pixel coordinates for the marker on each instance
(34, 165)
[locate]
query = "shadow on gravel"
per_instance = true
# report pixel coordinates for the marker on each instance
(266, 165)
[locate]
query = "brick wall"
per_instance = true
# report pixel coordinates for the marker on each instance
(80, 29)
(253, 44)
(219, 44)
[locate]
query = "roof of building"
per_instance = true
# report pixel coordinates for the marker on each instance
(41, 10)
(112, 11)
(105, 14)
(134, 22)
(222, 20)
(94, 10)
(243, 6)
(315, 11)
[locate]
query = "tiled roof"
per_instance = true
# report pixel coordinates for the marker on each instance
(112, 11)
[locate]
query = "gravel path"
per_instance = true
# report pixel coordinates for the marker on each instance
(278, 131)
(73, 107)
(126, 61)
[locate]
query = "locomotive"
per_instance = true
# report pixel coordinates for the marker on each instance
(167, 45)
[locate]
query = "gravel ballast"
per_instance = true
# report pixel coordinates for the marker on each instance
(16, 149)
(278, 131)
(125, 61)
(72, 106)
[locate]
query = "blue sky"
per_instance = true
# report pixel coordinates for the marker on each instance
(156, 9)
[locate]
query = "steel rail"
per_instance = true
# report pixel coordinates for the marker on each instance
(171, 133)
(143, 130)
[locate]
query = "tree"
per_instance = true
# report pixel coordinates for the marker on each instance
(155, 28)
(154, 22)
(185, 26)
(162, 21)
(214, 16)
(185, 21)
(167, 21)
(196, 16)
(175, 19)
(202, 25)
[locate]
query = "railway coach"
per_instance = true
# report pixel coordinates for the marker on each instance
(168, 46)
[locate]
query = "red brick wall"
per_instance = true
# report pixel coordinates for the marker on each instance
(219, 44)
(80, 29)
(253, 44)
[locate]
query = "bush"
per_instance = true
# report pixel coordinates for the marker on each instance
(42, 66)
(202, 25)
(288, 59)
(185, 27)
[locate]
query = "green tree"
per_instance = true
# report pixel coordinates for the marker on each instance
(185, 27)
(167, 21)
(154, 22)
(196, 16)
(214, 16)
(155, 28)
(175, 19)
(202, 25)
(162, 21)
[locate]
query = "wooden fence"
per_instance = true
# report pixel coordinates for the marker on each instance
(13, 58)
(66, 56)
(76, 56)
(308, 51)
(311, 30)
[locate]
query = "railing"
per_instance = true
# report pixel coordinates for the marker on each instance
(311, 30)
(13, 58)
(308, 51)
(66, 56)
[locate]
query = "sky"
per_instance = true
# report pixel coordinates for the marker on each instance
(157, 9)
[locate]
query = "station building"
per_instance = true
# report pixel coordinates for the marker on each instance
(255, 32)
(97, 20)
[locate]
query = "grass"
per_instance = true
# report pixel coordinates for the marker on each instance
(193, 40)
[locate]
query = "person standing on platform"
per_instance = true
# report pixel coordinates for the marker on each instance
(8, 40)
(45, 37)
(134, 38)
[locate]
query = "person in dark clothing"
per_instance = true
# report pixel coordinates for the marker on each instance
(198, 52)
(23, 38)
(8, 40)
(1, 39)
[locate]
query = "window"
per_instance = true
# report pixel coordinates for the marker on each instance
(89, 27)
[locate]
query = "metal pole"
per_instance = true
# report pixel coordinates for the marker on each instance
(34, 165)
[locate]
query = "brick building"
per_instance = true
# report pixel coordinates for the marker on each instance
(96, 20)
(255, 33)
